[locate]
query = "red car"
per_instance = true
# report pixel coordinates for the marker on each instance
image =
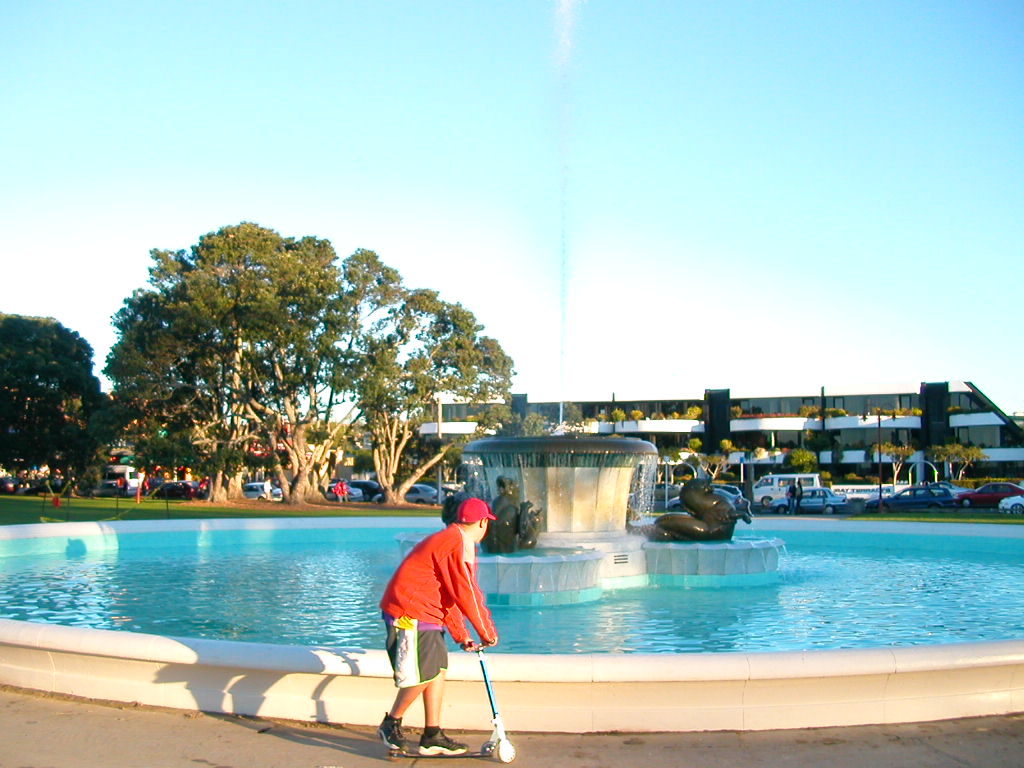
(989, 494)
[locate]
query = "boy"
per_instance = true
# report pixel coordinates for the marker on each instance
(433, 588)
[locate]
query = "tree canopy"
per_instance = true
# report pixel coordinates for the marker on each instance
(251, 341)
(48, 394)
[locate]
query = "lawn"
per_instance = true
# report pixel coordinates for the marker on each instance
(36, 509)
(952, 516)
(16, 510)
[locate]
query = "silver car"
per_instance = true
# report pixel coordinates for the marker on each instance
(256, 491)
(823, 500)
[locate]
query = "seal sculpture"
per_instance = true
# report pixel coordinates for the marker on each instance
(711, 516)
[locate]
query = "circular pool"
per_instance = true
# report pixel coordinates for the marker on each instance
(815, 649)
(321, 586)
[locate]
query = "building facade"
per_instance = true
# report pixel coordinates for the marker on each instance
(840, 427)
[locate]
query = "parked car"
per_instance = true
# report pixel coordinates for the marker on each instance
(421, 493)
(989, 495)
(734, 493)
(916, 497)
(176, 489)
(823, 500)
(42, 485)
(8, 484)
(956, 490)
(771, 487)
(354, 492)
(256, 491)
(371, 490)
(731, 493)
(1012, 505)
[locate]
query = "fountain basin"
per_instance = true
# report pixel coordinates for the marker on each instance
(551, 692)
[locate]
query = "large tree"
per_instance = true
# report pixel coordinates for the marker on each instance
(48, 394)
(419, 348)
(235, 344)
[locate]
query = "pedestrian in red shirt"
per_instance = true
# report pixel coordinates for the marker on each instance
(434, 588)
(341, 490)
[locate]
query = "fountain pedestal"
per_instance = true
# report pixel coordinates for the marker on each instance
(740, 562)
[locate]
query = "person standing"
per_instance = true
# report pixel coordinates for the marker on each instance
(791, 498)
(798, 496)
(341, 491)
(434, 588)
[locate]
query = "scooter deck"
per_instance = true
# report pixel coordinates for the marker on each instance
(395, 754)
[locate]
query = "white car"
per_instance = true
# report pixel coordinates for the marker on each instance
(256, 491)
(1012, 505)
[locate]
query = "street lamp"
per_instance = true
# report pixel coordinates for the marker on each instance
(879, 461)
(440, 463)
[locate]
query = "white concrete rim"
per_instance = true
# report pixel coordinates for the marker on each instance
(550, 692)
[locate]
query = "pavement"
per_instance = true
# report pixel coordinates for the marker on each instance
(50, 731)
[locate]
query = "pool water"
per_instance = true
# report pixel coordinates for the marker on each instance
(322, 588)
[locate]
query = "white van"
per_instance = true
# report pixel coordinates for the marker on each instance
(120, 480)
(771, 487)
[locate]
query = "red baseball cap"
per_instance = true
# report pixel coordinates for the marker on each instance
(473, 510)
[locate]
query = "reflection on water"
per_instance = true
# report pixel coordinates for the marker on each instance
(325, 593)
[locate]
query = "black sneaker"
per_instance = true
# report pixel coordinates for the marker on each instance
(391, 733)
(440, 744)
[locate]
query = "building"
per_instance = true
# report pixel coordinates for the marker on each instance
(840, 427)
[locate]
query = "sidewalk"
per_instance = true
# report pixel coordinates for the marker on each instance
(42, 731)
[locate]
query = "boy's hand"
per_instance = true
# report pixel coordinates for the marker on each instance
(471, 646)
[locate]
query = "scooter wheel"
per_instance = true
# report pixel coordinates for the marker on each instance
(505, 752)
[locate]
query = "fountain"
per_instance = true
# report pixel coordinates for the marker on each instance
(564, 691)
(576, 499)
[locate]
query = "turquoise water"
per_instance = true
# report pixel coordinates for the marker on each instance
(321, 588)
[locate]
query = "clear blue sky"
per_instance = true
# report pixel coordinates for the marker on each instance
(640, 198)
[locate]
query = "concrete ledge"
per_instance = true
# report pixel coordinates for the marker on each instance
(543, 693)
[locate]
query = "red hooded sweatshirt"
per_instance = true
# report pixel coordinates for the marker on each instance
(434, 584)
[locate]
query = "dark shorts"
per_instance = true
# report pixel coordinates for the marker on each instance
(417, 651)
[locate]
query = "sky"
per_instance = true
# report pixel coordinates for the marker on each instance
(637, 199)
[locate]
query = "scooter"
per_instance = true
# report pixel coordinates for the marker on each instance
(498, 747)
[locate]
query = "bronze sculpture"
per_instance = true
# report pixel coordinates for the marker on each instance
(517, 524)
(711, 516)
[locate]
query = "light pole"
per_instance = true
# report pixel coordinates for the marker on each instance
(440, 447)
(879, 461)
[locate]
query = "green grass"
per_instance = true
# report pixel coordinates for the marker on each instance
(952, 516)
(15, 510)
